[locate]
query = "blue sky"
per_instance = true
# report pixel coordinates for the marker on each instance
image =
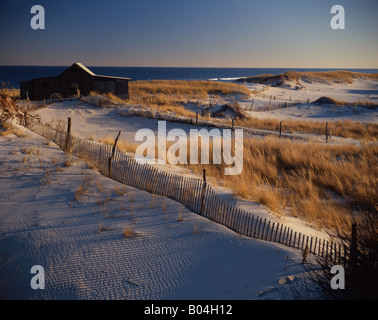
(191, 33)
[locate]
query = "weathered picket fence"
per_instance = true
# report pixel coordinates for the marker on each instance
(196, 194)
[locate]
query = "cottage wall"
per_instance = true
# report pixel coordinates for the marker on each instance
(73, 79)
(44, 87)
(118, 87)
(26, 89)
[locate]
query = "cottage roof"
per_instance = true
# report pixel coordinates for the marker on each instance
(80, 65)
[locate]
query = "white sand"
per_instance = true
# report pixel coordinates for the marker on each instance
(42, 224)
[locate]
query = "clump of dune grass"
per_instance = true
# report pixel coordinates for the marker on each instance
(9, 92)
(153, 201)
(46, 178)
(132, 196)
(128, 231)
(55, 160)
(113, 97)
(100, 187)
(120, 191)
(68, 161)
(164, 206)
(196, 229)
(31, 151)
(50, 143)
(16, 151)
(82, 188)
(180, 215)
(12, 129)
(101, 227)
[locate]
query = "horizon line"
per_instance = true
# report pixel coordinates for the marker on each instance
(185, 67)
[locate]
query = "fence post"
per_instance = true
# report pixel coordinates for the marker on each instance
(112, 156)
(326, 132)
(353, 247)
(68, 137)
(280, 129)
(25, 119)
(203, 191)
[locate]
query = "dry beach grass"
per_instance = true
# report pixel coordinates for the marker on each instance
(323, 184)
(162, 91)
(171, 95)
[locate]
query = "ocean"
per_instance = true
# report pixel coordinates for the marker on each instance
(12, 75)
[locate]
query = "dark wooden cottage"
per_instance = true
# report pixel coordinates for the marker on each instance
(77, 80)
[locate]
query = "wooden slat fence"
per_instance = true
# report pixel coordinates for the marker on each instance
(193, 193)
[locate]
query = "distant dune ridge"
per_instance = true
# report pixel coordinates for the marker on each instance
(339, 76)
